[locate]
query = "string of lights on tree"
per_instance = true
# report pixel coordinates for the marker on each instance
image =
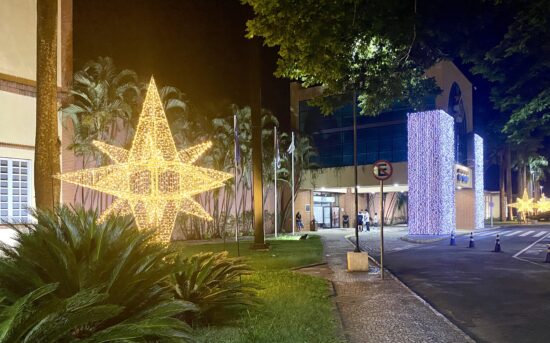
(479, 215)
(431, 173)
(152, 180)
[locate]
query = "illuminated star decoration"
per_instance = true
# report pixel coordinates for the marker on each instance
(543, 205)
(152, 180)
(524, 204)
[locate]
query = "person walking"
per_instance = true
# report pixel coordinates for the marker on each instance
(366, 219)
(360, 221)
(346, 220)
(299, 223)
(375, 219)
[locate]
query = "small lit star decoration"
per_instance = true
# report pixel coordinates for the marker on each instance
(524, 204)
(543, 205)
(152, 180)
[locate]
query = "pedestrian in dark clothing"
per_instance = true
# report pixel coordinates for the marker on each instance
(299, 223)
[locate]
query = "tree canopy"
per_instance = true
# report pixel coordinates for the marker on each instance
(381, 49)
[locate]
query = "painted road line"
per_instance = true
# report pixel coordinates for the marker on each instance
(540, 234)
(529, 246)
(489, 233)
(513, 233)
(526, 234)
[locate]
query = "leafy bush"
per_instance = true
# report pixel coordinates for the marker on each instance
(213, 282)
(124, 267)
(33, 319)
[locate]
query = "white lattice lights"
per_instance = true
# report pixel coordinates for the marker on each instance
(431, 173)
(152, 180)
(479, 202)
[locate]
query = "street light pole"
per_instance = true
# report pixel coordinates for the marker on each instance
(357, 249)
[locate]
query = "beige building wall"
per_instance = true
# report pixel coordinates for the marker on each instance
(445, 74)
(18, 39)
(18, 75)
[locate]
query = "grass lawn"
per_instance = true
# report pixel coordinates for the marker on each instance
(295, 308)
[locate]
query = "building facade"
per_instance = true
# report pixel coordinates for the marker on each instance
(18, 99)
(327, 193)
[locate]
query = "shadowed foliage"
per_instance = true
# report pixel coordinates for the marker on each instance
(108, 275)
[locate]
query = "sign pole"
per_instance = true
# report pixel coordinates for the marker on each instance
(381, 229)
(382, 170)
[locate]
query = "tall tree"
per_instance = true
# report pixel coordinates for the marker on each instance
(368, 46)
(47, 144)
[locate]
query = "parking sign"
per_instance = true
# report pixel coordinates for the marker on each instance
(382, 170)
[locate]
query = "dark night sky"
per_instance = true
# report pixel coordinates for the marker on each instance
(195, 45)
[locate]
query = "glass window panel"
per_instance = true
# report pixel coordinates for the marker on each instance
(15, 163)
(24, 164)
(3, 162)
(15, 171)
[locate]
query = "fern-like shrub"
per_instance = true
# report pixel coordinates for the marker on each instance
(110, 275)
(216, 284)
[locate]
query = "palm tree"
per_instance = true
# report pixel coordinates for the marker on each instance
(46, 156)
(304, 153)
(102, 107)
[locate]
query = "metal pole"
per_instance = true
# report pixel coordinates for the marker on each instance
(491, 205)
(382, 229)
(293, 214)
(357, 249)
(236, 154)
(275, 174)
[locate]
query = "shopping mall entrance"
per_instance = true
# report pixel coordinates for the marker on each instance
(326, 210)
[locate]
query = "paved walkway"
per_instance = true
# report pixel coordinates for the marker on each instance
(374, 310)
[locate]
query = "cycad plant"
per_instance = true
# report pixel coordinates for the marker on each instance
(69, 248)
(41, 317)
(215, 283)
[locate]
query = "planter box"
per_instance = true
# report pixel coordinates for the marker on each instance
(358, 261)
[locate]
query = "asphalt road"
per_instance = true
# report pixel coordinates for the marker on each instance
(494, 297)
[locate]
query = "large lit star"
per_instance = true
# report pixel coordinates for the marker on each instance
(543, 205)
(152, 180)
(524, 204)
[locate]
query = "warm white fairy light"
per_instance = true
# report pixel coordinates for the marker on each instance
(152, 180)
(431, 173)
(543, 205)
(524, 204)
(479, 192)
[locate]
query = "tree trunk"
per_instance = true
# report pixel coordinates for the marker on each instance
(508, 168)
(502, 189)
(256, 119)
(46, 159)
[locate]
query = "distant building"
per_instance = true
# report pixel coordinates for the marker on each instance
(327, 193)
(18, 99)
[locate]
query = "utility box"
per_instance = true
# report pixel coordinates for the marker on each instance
(358, 261)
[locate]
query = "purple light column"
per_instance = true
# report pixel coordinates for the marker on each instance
(478, 183)
(431, 173)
